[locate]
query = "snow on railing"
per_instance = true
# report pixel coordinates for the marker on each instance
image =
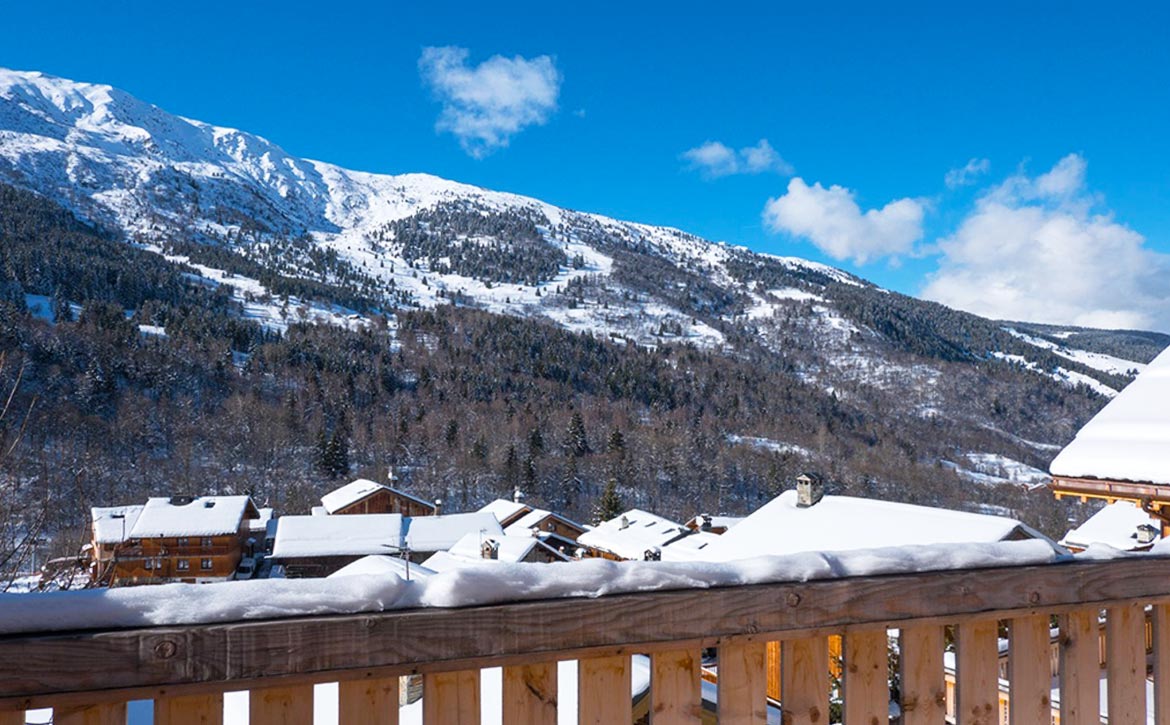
(183, 646)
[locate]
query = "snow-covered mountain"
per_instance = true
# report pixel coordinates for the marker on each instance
(183, 187)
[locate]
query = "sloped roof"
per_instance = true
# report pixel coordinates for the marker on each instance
(201, 516)
(1115, 525)
(355, 491)
(1129, 439)
(114, 524)
(383, 565)
(525, 523)
(440, 533)
(630, 535)
(360, 534)
(505, 511)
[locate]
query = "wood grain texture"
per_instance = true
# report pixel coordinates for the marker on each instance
(373, 701)
(189, 710)
(742, 684)
(109, 714)
(603, 691)
(1161, 616)
(1080, 671)
(451, 698)
(1030, 670)
(11, 717)
(978, 675)
(773, 668)
(867, 687)
(924, 687)
(281, 706)
(1125, 663)
(39, 670)
(804, 675)
(530, 694)
(676, 696)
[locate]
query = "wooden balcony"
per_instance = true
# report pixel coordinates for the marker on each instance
(88, 676)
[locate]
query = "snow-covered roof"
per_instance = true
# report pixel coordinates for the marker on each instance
(1129, 439)
(350, 493)
(523, 525)
(1116, 525)
(113, 524)
(198, 516)
(379, 565)
(359, 534)
(440, 533)
(505, 511)
(632, 534)
(843, 523)
(261, 524)
(689, 548)
(511, 548)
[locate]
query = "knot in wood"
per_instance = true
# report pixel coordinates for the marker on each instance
(793, 599)
(1034, 597)
(165, 650)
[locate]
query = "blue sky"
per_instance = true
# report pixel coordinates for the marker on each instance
(1062, 111)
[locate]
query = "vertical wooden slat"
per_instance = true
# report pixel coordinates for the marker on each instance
(924, 686)
(189, 710)
(1080, 671)
(867, 686)
(1030, 670)
(373, 701)
(530, 694)
(1125, 662)
(281, 705)
(773, 654)
(742, 684)
(978, 676)
(451, 698)
(114, 714)
(603, 691)
(676, 696)
(804, 676)
(1161, 616)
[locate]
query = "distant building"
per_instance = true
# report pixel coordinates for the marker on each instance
(110, 528)
(1122, 525)
(369, 497)
(181, 538)
(713, 524)
(519, 519)
(635, 535)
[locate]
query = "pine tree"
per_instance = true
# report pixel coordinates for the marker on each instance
(576, 440)
(610, 505)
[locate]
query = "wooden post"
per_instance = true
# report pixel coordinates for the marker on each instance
(281, 705)
(742, 684)
(603, 691)
(451, 698)
(924, 686)
(1030, 670)
(373, 701)
(978, 676)
(114, 714)
(867, 687)
(530, 694)
(1125, 664)
(1162, 664)
(189, 710)
(773, 650)
(676, 695)
(804, 675)
(1080, 672)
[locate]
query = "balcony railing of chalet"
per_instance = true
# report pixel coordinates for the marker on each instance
(88, 676)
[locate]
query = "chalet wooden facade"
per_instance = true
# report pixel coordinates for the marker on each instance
(369, 497)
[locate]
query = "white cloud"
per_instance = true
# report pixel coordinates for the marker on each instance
(715, 159)
(967, 174)
(831, 219)
(485, 105)
(1041, 249)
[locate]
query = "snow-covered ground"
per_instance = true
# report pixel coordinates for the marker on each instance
(1095, 360)
(1062, 375)
(993, 469)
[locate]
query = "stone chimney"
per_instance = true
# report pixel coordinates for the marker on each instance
(517, 496)
(438, 506)
(489, 549)
(810, 489)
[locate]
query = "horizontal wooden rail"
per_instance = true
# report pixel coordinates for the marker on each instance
(91, 667)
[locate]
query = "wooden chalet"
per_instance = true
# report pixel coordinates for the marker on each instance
(110, 528)
(713, 524)
(636, 535)
(369, 497)
(1121, 454)
(317, 546)
(193, 539)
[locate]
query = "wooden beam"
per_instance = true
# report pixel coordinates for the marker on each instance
(603, 691)
(110, 714)
(189, 710)
(12, 717)
(1030, 669)
(451, 698)
(804, 675)
(978, 675)
(676, 696)
(1125, 664)
(867, 685)
(373, 701)
(1161, 702)
(530, 694)
(1080, 669)
(281, 706)
(127, 664)
(742, 684)
(924, 687)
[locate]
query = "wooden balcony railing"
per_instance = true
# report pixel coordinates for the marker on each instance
(88, 676)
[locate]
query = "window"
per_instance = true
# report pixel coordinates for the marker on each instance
(184, 541)
(205, 542)
(184, 565)
(148, 564)
(205, 563)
